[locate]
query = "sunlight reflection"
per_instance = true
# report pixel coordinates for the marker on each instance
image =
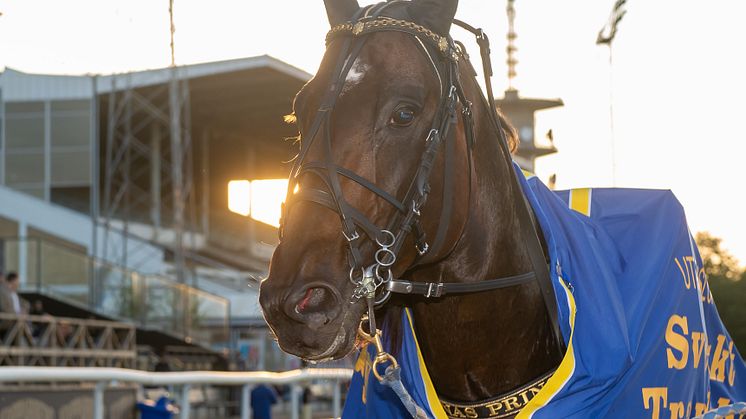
(260, 199)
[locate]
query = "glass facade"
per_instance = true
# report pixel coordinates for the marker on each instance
(47, 149)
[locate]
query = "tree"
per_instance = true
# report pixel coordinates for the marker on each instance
(717, 261)
(728, 286)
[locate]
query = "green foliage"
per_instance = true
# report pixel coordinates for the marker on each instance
(728, 286)
(717, 261)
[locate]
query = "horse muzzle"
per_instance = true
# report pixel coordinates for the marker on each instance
(308, 319)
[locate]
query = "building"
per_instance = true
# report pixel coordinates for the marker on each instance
(522, 114)
(114, 191)
(522, 111)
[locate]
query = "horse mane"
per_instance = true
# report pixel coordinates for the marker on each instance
(510, 132)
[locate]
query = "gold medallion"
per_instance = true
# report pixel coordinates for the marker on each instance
(358, 28)
(443, 44)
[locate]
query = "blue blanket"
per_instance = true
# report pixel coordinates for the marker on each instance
(644, 337)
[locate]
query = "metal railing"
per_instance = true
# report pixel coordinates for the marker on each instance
(151, 301)
(246, 380)
(61, 342)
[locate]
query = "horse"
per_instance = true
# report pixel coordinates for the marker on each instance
(403, 198)
(388, 101)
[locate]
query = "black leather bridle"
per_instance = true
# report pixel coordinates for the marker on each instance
(374, 282)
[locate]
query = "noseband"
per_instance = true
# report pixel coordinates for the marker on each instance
(374, 281)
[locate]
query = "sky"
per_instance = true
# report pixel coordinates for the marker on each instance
(677, 81)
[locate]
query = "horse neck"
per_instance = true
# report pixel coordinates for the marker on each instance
(480, 345)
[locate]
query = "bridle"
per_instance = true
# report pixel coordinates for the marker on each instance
(375, 282)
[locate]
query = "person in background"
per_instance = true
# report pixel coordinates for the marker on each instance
(6, 296)
(306, 403)
(11, 285)
(10, 302)
(262, 399)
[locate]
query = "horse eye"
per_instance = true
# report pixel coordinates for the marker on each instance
(402, 117)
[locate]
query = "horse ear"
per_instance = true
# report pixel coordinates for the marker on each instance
(340, 11)
(436, 15)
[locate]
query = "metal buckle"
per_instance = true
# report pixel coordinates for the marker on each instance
(354, 236)
(434, 289)
(431, 135)
(416, 208)
(452, 92)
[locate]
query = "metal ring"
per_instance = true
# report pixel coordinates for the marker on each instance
(382, 358)
(393, 239)
(385, 251)
(382, 300)
(352, 271)
(389, 277)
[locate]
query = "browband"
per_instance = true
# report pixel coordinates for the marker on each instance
(362, 27)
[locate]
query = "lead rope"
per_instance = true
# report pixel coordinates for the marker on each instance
(392, 376)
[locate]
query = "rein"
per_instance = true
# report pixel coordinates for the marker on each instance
(375, 282)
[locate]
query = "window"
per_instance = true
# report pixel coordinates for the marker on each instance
(71, 122)
(24, 127)
(71, 142)
(24, 147)
(71, 167)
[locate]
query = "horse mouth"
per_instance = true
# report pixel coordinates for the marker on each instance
(310, 346)
(328, 354)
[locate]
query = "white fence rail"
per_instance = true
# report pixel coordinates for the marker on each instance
(103, 376)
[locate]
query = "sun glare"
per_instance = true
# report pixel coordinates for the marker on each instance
(260, 199)
(239, 197)
(267, 196)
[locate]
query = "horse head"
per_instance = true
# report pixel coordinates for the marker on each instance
(382, 180)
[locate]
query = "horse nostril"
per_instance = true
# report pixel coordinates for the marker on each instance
(310, 298)
(316, 303)
(313, 300)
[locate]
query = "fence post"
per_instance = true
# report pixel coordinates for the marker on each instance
(98, 400)
(295, 393)
(336, 400)
(246, 401)
(185, 407)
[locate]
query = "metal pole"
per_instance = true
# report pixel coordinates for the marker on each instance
(110, 169)
(177, 174)
(126, 172)
(205, 169)
(336, 401)
(93, 293)
(23, 249)
(155, 177)
(185, 407)
(246, 401)
(39, 277)
(294, 401)
(98, 400)
(47, 151)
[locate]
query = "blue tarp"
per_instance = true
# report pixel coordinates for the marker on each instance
(644, 337)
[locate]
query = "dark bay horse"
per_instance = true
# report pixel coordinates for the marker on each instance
(368, 121)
